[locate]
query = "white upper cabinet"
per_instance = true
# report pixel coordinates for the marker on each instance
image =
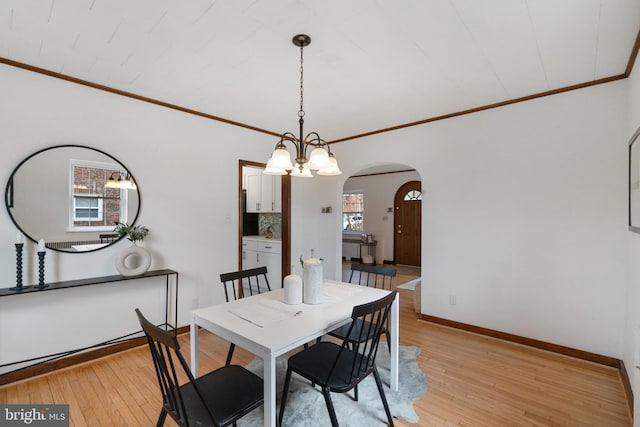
(264, 192)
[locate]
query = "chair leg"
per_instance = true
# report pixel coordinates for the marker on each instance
(161, 418)
(232, 347)
(332, 412)
(386, 332)
(382, 396)
(355, 393)
(285, 391)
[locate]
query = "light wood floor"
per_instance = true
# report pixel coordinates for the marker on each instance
(473, 381)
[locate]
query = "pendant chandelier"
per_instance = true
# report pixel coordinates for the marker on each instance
(320, 158)
(120, 180)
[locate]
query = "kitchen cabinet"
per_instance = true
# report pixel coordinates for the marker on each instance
(253, 185)
(271, 192)
(264, 192)
(260, 251)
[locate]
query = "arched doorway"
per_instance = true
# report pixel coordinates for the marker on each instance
(407, 219)
(379, 185)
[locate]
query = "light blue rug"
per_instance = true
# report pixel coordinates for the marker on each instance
(306, 406)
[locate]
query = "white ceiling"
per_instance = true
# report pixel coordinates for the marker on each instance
(371, 64)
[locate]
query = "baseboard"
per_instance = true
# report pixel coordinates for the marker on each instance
(75, 359)
(555, 348)
(626, 383)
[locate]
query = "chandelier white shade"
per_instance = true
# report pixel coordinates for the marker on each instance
(279, 162)
(303, 172)
(320, 159)
(332, 169)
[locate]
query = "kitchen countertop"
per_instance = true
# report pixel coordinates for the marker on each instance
(261, 239)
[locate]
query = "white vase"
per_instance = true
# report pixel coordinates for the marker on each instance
(133, 261)
(312, 281)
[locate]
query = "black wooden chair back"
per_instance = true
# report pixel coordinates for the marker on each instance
(239, 284)
(168, 361)
(368, 322)
(350, 362)
(218, 398)
(243, 283)
(372, 275)
(108, 238)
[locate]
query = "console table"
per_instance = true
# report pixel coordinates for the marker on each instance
(54, 286)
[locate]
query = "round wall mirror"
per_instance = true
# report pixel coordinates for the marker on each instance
(71, 196)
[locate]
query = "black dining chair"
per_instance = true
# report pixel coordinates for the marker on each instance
(239, 284)
(372, 276)
(218, 398)
(108, 238)
(339, 368)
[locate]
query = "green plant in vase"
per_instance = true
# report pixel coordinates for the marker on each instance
(134, 233)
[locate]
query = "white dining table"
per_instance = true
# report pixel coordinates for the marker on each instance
(267, 327)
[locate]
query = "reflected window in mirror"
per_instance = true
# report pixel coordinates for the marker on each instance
(95, 205)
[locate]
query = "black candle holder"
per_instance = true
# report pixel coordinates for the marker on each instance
(18, 286)
(41, 270)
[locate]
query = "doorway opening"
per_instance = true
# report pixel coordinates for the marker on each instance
(369, 227)
(252, 206)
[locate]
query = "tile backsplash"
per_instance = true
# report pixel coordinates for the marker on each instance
(270, 219)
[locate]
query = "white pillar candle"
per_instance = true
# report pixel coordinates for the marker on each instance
(19, 238)
(292, 289)
(312, 281)
(41, 245)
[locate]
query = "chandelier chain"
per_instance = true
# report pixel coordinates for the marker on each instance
(301, 112)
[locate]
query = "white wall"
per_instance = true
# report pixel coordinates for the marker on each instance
(311, 229)
(379, 192)
(186, 168)
(524, 218)
(524, 215)
(632, 317)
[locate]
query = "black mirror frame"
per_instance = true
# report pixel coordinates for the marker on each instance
(8, 197)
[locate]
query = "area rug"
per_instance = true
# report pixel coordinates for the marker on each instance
(411, 285)
(306, 406)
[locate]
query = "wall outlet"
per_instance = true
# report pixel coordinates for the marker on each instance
(452, 300)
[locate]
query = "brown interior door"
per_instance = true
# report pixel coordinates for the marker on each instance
(407, 223)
